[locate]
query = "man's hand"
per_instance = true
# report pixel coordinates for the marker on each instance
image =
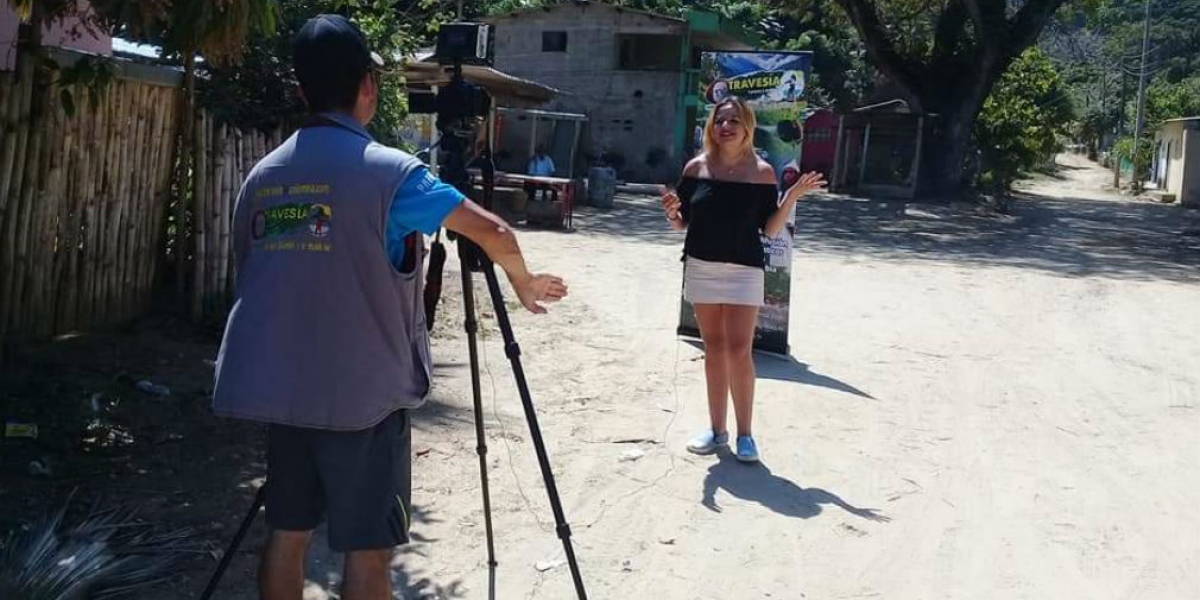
(537, 289)
(498, 241)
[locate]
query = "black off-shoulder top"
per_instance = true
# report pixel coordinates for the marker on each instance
(725, 219)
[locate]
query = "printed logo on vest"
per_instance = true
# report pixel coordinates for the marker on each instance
(290, 219)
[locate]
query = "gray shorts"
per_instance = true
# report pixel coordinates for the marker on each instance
(361, 479)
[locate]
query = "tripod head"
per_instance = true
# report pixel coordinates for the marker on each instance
(462, 110)
(460, 106)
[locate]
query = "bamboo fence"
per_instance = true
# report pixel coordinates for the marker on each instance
(87, 216)
(81, 203)
(224, 157)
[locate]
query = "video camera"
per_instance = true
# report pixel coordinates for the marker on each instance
(459, 101)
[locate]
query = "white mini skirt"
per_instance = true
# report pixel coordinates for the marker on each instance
(707, 282)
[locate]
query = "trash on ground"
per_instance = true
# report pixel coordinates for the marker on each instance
(153, 389)
(546, 565)
(17, 429)
(40, 467)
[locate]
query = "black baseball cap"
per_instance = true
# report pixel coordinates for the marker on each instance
(330, 47)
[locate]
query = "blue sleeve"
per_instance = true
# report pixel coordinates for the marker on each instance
(421, 204)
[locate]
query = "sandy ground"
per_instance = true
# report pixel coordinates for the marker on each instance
(975, 407)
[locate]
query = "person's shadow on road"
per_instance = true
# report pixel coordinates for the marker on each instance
(756, 483)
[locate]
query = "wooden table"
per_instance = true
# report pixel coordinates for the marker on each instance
(563, 188)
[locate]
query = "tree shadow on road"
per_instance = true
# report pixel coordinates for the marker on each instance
(1073, 237)
(639, 218)
(756, 483)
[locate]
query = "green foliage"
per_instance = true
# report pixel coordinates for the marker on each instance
(841, 76)
(1174, 35)
(261, 93)
(217, 29)
(1123, 151)
(1023, 120)
(1101, 53)
(91, 73)
(1166, 100)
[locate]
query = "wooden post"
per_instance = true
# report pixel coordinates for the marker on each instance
(574, 147)
(50, 231)
(239, 175)
(862, 163)
(199, 207)
(146, 199)
(124, 204)
(116, 207)
(185, 195)
(82, 164)
(916, 165)
(147, 160)
(533, 131)
(128, 231)
(222, 165)
(170, 106)
(835, 177)
(91, 212)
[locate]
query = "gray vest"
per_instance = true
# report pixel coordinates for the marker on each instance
(324, 332)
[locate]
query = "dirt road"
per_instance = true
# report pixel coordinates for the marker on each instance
(977, 407)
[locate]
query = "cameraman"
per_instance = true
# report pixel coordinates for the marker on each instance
(326, 342)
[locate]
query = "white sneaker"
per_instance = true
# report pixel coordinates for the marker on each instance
(707, 442)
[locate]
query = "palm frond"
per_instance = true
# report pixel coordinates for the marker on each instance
(107, 554)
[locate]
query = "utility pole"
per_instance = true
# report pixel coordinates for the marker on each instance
(1120, 128)
(1140, 122)
(1095, 151)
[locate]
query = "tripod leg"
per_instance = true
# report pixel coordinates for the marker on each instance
(513, 351)
(472, 327)
(259, 498)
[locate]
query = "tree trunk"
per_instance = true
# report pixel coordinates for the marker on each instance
(945, 170)
(184, 178)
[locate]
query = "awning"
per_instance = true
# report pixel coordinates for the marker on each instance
(504, 88)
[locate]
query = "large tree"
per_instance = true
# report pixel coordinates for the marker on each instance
(946, 56)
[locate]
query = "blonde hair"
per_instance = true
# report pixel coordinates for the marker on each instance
(745, 115)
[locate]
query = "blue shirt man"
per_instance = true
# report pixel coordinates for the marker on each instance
(541, 165)
(326, 341)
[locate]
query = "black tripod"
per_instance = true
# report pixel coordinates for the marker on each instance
(472, 260)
